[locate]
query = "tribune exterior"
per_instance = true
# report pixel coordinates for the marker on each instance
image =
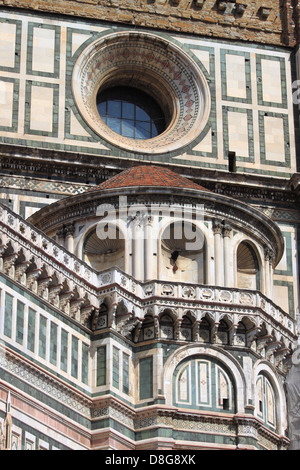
(149, 227)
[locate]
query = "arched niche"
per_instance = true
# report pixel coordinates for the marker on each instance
(204, 383)
(183, 253)
(248, 267)
(104, 253)
(266, 401)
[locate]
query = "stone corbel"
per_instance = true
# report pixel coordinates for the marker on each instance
(20, 270)
(240, 8)
(156, 326)
(43, 286)
(31, 279)
(280, 354)
(8, 264)
(264, 12)
(2, 250)
(214, 331)
(199, 3)
(64, 301)
(137, 331)
(232, 333)
(75, 308)
(54, 293)
(251, 336)
(177, 327)
(195, 331)
(94, 318)
(262, 341)
(85, 313)
(271, 347)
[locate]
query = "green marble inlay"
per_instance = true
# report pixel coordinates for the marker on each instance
(116, 374)
(281, 60)
(85, 363)
(31, 329)
(64, 351)
(20, 322)
(8, 315)
(125, 373)
(146, 377)
(101, 366)
(15, 105)
(42, 336)
(30, 71)
(16, 66)
(74, 359)
(224, 76)
(28, 92)
(53, 343)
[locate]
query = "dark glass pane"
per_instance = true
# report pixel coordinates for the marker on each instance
(131, 112)
(114, 108)
(114, 124)
(143, 130)
(128, 128)
(141, 115)
(128, 110)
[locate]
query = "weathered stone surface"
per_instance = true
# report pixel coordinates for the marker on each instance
(260, 21)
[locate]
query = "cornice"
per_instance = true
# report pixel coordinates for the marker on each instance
(70, 167)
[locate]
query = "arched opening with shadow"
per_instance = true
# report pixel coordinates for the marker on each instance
(248, 267)
(203, 383)
(104, 253)
(183, 253)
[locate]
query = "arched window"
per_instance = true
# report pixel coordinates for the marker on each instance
(102, 321)
(248, 274)
(240, 338)
(147, 328)
(205, 331)
(131, 112)
(265, 401)
(166, 327)
(186, 328)
(203, 383)
(223, 333)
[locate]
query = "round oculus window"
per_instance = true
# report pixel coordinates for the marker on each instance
(130, 112)
(141, 93)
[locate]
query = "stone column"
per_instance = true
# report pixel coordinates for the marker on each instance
(60, 234)
(149, 250)
(228, 261)
(269, 259)
(138, 251)
(218, 255)
(69, 237)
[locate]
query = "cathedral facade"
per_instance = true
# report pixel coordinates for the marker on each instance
(150, 223)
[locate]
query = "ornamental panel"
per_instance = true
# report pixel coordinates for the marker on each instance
(151, 64)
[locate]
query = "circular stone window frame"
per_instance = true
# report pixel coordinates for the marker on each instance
(155, 66)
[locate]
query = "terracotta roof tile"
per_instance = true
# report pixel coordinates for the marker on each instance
(148, 176)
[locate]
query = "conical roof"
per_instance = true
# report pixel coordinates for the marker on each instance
(148, 175)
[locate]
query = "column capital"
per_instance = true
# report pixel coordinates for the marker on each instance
(217, 227)
(227, 230)
(269, 254)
